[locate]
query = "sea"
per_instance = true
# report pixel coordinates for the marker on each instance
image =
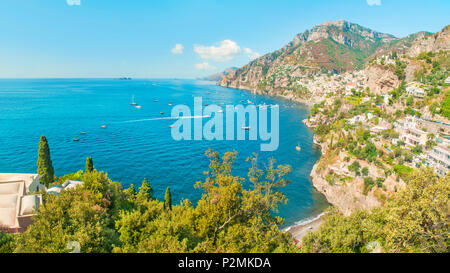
(137, 142)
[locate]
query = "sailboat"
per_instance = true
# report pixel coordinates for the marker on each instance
(247, 128)
(132, 101)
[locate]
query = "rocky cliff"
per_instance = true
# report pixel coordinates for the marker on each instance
(433, 43)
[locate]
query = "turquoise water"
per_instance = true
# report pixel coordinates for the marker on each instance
(130, 150)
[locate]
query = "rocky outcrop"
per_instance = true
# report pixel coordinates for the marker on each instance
(380, 79)
(347, 197)
(218, 76)
(434, 43)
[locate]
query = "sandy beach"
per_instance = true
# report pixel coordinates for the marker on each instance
(299, 231)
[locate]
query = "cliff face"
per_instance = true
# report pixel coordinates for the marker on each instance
(434, 43)
(380, 80)
(348, 195)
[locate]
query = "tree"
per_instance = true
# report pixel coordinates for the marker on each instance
(365, 171)
(419, 215)
(6, 242)
(76, 215)
(89, 164)
(370, 151)
(354, 167)
(145, 191)
(168, 200)
(103, 217)
(44, 163)
(414, 220)
(131, 193)
(418, 149)
(409, 101)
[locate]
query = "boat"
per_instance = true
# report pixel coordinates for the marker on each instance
(298, 148)
(171, 126)
(76, 139)
(138, 106)
(132, 101)
(83, 133)
(170, 104)
(220, 111)
(162, 113)
(155, 100)
(103, 126)
(247, 128)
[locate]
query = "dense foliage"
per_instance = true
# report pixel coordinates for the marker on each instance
(416, 220)
(233, 215)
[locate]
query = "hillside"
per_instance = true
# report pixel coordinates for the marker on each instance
(330, 48)
(218, 76)
(333, 46)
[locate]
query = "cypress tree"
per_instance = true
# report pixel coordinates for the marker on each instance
(168, 200)
(131, 192)
(145, 191)
(89, 164)
(44, 163)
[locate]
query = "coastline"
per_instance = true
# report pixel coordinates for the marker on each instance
(305, 102)
(300, 228)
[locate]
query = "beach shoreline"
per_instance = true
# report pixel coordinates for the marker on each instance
(299, 230)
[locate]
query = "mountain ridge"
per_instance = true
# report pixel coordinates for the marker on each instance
(332, 47)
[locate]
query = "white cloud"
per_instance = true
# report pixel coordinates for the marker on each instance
(374, 2)
(73, 2)
(251, 54)
(178, 49)
(223, 51)
(204, 66)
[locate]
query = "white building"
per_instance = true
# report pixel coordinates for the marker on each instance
(439, 159)
(447, 81)
(355, 119)
(17, 202)
(69, 184)
(414, 90)
(414, 137)
(386, 99)
(403, 124)
(407, 128)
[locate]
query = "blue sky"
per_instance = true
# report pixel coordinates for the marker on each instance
(138, 38)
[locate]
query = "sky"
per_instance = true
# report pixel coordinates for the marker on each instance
(178, 38)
